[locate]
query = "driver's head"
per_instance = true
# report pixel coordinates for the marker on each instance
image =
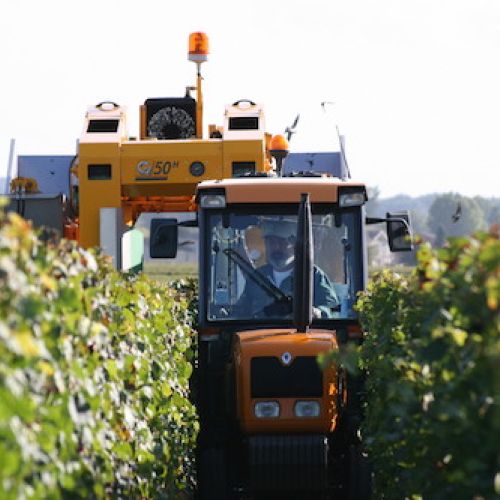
(279, 237)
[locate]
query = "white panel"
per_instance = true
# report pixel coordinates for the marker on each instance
(111, 229)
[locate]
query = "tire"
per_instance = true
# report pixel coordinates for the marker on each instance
(212, 475)
(360, 474)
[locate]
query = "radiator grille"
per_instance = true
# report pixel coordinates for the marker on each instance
(271, 379)
(288, 463)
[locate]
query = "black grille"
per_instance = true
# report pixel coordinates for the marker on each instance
(271, 379)
(171, 117)
(288, 463)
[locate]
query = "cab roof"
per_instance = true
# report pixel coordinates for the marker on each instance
(279, 189)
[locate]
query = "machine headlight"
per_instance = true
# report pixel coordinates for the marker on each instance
(267, 409)
(306, 409)
(353, 197)
(213, 201)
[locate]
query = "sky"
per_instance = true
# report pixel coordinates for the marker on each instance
(414, 84)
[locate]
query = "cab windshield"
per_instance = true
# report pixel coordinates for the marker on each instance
(251, 263)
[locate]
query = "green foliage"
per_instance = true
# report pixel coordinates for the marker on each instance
(94, 370)
(432, 357)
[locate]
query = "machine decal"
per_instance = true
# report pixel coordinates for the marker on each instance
(155, 170)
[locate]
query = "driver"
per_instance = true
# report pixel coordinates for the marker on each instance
(279, 237)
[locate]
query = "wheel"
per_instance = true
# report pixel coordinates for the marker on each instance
(212, 475)
(360, 474)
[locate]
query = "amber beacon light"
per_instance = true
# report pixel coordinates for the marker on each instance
(279, 143)
(279, 151)
(198, 47)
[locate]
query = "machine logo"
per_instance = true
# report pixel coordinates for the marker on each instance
(286, 358)
(155, 170)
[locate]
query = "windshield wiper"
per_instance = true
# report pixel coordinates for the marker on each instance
(257, 277)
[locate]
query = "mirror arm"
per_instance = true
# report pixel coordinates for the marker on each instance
(374, 220)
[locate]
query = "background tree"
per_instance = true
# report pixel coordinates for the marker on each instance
(452, 214)
(484, 203)
(440, 236)
(493, 216)
(373, 205)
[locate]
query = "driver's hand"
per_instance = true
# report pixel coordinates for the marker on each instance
(316, 313)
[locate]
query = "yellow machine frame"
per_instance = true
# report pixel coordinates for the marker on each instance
(152, 175)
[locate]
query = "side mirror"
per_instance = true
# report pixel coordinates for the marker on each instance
(163, 239)
(399, 231)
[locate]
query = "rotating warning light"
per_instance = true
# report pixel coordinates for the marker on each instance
(278, 143)
(278, 148)
(198, 47)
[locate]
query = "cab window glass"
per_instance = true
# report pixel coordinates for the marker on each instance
(251, 258)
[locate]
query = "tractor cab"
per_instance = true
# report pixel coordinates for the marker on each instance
(248, 258)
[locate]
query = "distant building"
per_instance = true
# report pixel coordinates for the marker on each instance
(51, 172)
(379, 253)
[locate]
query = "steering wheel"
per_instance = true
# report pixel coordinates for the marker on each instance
(257, 277)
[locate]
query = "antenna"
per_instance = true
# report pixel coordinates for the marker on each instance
(9, 165)
(342, 152)
(340, 137)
